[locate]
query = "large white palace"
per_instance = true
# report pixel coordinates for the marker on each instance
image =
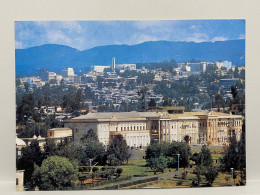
(169, 124)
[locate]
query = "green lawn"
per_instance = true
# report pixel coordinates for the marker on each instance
(136, 167)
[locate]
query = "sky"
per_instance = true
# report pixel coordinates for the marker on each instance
(88, 34)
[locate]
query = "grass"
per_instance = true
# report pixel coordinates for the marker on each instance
(136, 167)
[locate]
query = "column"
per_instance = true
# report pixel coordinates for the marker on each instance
(159, 130)
(169, 126)
(165, 130)
(213, 130)
(207, 132)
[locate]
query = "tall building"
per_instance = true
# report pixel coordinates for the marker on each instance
(227, 64)
(69, 73)
(46, 75)
(170, 124)
(113, 64)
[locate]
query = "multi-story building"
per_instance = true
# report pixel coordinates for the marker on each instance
(47, 76)
(170, 124)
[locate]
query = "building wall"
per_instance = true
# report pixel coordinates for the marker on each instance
(20, 180)
(79, 129)
(59, 133)
(210, 129)
(188, 127)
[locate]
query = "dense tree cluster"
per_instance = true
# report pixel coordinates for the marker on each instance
(87, 152)
(158, 155)
(55, 173)
(204, 166)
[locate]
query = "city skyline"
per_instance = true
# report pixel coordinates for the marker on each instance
(88, 34)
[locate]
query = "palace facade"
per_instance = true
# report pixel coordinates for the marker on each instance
(169, 124)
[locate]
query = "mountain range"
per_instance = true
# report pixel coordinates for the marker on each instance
(57, 57)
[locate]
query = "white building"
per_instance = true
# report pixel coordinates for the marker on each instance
(100, 69)
(227, 64)
(170, 124)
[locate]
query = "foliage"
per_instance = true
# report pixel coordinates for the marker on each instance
(157, 164)
(55, 173)
(96, 151)
(117, 151)
(155, 150)
(89, 136)
(204, 158)
(119, 172)
(50, 148)
(183, 175)
(211, 174)
(31, 155)
(152, 103)
(170, 151)
(179, 148)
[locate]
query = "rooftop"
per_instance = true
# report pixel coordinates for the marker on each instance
(118, 115)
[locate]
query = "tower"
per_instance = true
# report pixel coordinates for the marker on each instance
(113, 64)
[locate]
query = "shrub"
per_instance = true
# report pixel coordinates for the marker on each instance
(179, 182)
(119, 171)
(183, 175)
(95, 169)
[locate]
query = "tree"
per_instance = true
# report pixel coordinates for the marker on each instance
(53, 82)
(118, 172)
(27, 87)
(152, 103)
(170, 151)
(31, 155)
(89, 136)
(181, 148)
(117, 151)
(155, 150)
(210, 174)
(167, 101)
(230, 158)
(218, 100)
(96, 152)
(55, 173)
(234, 91)
(143, 93)
(65, 102)
(157, 164)
(204, 158)
(235, 156)
(50, 148)
(26, 109)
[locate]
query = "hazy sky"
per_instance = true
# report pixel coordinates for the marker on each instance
(87, 34)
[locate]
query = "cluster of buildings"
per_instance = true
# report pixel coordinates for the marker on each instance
(169, 124)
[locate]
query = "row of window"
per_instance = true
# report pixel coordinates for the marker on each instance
(133, 128)
(220, 124)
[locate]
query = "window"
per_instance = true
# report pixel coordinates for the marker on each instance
(17, 181)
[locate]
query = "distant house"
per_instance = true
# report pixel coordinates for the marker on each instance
(19, 145)
(59, 133)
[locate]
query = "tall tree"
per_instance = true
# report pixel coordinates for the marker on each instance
(152, 103)
(143, 93)
(31, 155)
(117, 151)
(204, 157)
(89, 136)
(219, 101)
